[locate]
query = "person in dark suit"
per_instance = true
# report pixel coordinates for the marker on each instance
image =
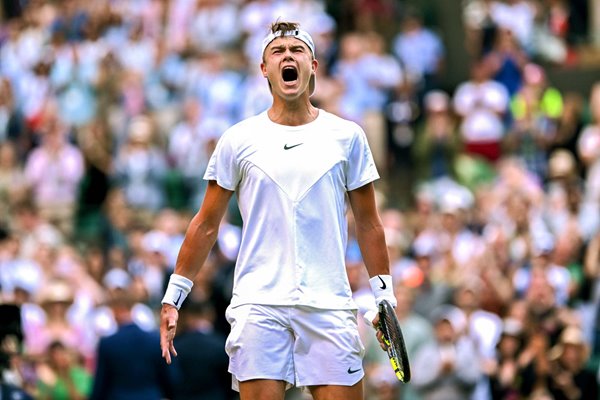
(201, 345)
(129, 364)
(12, 392)
(11, 343)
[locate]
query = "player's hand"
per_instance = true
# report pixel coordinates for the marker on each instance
(372, 317)
(379, 333)
(168, 325)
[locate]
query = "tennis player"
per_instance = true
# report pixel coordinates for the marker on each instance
(293, 168)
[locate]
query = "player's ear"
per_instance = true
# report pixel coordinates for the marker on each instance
(315, 66)
(263, 69)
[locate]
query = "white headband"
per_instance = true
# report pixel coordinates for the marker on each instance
(297, 33)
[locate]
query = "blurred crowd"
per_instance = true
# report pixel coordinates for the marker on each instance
(490, 190)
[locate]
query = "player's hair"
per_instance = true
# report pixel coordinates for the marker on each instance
(284, 26)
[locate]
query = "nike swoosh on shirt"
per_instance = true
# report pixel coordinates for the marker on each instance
(352, 371)
(287, 147)
(383, 285)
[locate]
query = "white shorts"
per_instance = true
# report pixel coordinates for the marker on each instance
(300, 345)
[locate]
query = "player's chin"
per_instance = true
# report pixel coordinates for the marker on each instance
(290, 87)
(291, 91)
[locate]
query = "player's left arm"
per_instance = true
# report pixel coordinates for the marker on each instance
(369, 230)
(371, 240)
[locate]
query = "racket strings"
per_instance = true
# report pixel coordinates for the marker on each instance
(392, 329)
(395, 342)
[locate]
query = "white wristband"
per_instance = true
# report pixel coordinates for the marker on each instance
(177, 290)
(382, 288)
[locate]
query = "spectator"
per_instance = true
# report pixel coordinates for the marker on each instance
(535, 366)
(155, 264)
(12, 382)
(129, 364)
(541, 264)
(138, 52)
(140, 169)
(570, 378)
(544, 316)
(570, 125)
(190, 146)
(33, 231)
(33, 91)
(518, 16)
(536, 109)
(214, 81)
(481, 104)
(96, 145)
(551, 30)
(448, 368)
(12, 124)
(117, 280)
(482, 327)
(61, 377)
(172, 225)
(199, 344)
(437, 143)
(432, 291)
(383, 74)
(507, 59)
(12, 180)
(591, 310)
(213, 26)
(73, 77)
(70, 21)
(368, 75)
(588, 148)
(519, 222)
(53, 171)
(421, 52)
(257, 96)
(56, 298)
(461, 248)
(480, 28)
(503, 370)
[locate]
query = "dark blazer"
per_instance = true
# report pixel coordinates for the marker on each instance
(203, 364)
(10, 392)
(130, 367)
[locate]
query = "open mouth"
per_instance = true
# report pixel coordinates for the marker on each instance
(289, 74)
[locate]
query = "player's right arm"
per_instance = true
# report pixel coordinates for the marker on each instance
(199, 239)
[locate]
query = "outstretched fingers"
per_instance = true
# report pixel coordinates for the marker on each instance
(167, 349)
(168, 327)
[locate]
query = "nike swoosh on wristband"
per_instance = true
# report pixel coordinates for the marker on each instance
(286, 147)
(352, 371)
(383, 285)
(176, 302)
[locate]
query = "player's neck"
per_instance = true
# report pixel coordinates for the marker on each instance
(292, 113)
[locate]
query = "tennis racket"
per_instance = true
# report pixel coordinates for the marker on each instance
(392, 336)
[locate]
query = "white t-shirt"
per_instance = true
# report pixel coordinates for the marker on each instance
(291, 183)
(481, 106)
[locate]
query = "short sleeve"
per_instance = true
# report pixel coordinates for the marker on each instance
(222, 166)
(361, 167)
